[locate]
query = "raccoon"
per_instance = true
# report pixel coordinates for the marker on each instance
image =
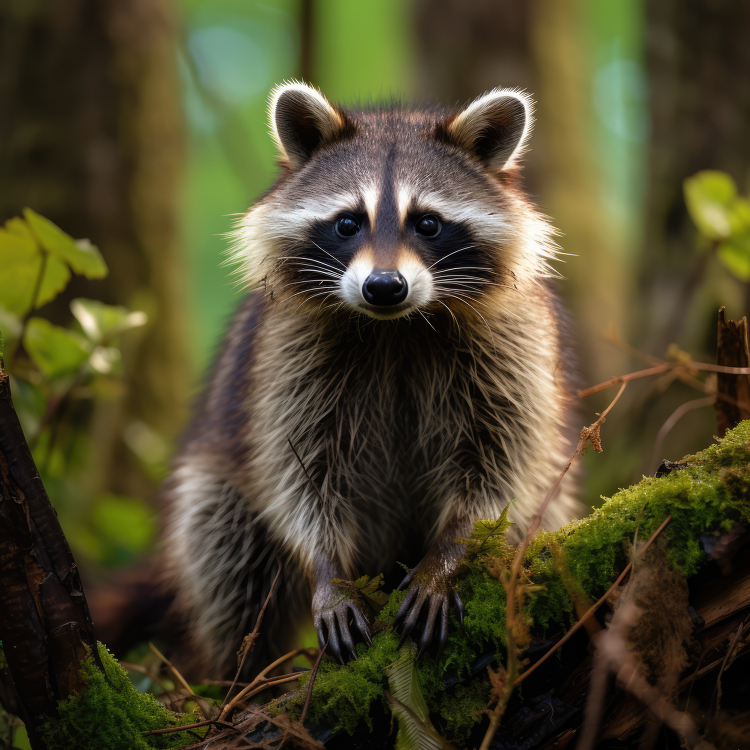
(398, 372)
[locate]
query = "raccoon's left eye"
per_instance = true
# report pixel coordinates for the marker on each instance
(346, 226)
(428, 226)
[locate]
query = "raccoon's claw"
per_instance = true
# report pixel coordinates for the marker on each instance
(436, 594)
(459, 606)
(332, 625)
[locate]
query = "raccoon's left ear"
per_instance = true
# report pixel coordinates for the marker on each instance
(302, 120)
(494, 128)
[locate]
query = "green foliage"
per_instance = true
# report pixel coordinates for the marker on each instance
(110, 713)
(55, 368)
(82, 257)
(415, 730)
(488, 537)
(101, 323)
(37, 258)
(722, 218)
(25, 269)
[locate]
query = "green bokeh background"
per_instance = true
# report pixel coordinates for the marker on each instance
(235, 51)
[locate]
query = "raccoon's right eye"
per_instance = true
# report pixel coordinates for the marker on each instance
(346, 226)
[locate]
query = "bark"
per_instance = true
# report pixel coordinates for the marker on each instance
(91, 137)
(732, 351)
(45, 625)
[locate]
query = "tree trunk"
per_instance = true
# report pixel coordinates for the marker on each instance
(91, 137)
(45, 625)
(699, 67)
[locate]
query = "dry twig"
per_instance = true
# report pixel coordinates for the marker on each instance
(312, 682)
(247, 645)
(513, 586)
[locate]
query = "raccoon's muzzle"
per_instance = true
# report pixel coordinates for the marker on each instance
(385, 288)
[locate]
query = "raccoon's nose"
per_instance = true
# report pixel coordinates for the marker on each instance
(383, 288)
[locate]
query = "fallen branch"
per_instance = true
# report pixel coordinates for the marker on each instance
(185, 727)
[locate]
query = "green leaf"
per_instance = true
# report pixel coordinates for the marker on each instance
(488, 537)
(56, 351)
(735, 255)
(83, 257)
(55, 279)
(370, 588)
(710, 196)
(415, 730)
(21, 261)
(100, 321)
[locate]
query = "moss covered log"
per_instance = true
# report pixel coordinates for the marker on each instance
(706, 494)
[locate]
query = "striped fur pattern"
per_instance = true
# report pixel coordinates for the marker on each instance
(445, 407)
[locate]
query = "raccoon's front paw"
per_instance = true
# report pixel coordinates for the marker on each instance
(333, 624)
(431, 583)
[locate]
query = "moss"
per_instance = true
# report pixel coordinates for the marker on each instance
(554, 605)
(343, 696)
(709, 493)
(483, 598)
(461, 709)
(110, 713)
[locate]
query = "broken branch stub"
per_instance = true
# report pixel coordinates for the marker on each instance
(732, 351)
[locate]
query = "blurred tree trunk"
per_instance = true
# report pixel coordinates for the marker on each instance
(598, 280)
(91, 137)
(699, 68)
(465, 49)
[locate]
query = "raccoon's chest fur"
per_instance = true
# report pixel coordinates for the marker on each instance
(380, 415)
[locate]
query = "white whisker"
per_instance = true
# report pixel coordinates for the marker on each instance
(327, 253)
(331, 289)
(439, 260)
(455, 320)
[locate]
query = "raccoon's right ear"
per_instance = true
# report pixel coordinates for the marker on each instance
(301, 120)
(494, 128)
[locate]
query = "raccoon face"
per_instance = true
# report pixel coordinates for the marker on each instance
(391, 212)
